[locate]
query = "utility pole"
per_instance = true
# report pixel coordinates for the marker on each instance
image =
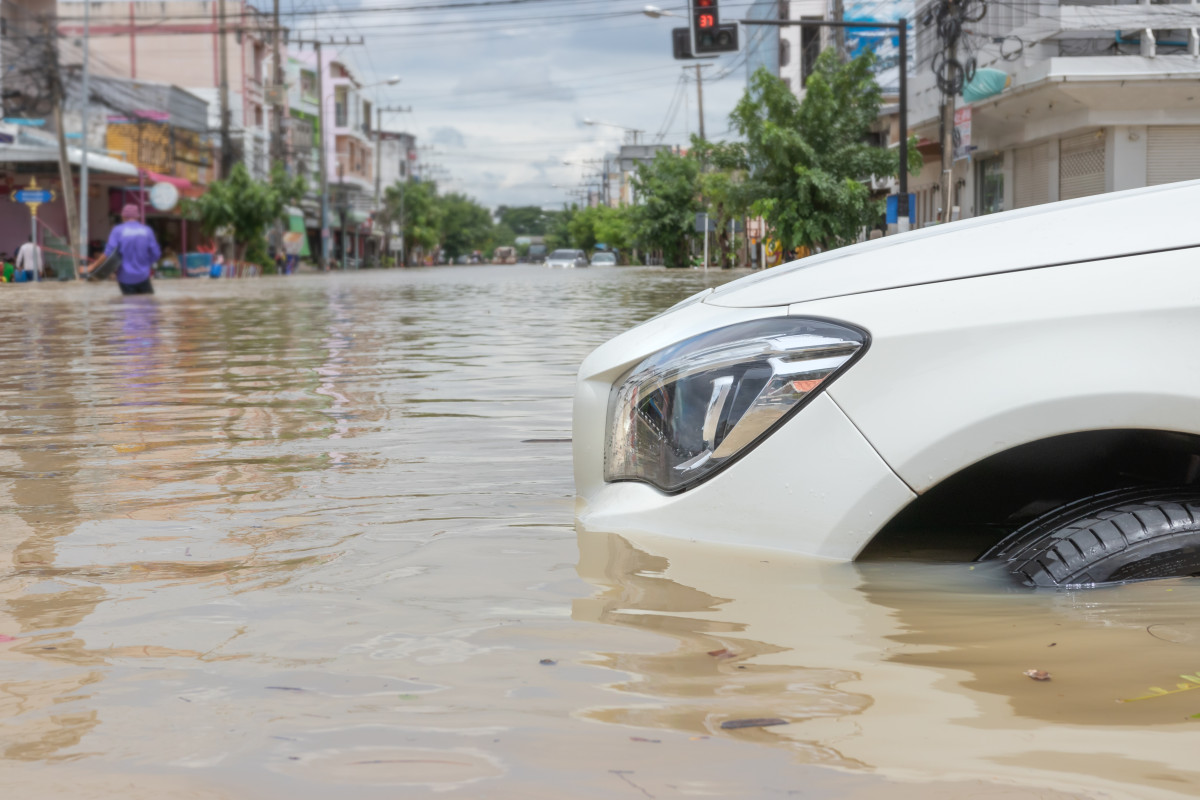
(700, 96)
(839, 33)
(277, 150)
(323, 159)
(83, 147)
(223, 91)
(64, 162)
(946, 188)
(379, 146)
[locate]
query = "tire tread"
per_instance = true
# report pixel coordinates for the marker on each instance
(1082, 542)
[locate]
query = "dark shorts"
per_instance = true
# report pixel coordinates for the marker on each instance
(144, 287)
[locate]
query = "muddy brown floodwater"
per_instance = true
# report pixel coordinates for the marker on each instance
(314, 538)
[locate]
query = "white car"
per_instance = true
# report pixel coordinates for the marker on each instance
(567, 258)
(1022, 388)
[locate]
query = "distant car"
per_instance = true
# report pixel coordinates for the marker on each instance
(604, 259)
(1016, 389)
(566, 258)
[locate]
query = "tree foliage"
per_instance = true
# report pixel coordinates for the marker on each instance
(523, 220)
(466, 225)
(669, 190)
(242, 208)
(807, 160)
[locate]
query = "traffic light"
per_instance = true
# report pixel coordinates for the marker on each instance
(709, 35)
(681, 42)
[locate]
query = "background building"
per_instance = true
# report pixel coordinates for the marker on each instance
(179, 43)
(1099, 98)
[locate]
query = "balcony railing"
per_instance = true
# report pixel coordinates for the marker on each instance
(1078, 29)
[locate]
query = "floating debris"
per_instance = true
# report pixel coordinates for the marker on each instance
(1193, 682)
(760, 722)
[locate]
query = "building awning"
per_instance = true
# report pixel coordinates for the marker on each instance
(28, 154)
(157, 177)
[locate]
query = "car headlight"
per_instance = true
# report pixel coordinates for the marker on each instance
(687, 411)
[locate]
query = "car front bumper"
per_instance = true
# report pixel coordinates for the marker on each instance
(814, 486)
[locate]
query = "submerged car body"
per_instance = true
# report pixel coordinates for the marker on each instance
(964, 378)
(570, 259)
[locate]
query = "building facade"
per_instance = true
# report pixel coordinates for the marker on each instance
(1099, 98)
(179, 43)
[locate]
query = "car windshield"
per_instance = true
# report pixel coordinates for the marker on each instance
(564, 254)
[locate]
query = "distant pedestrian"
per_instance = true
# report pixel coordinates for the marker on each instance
(29, 257)
(139, 252)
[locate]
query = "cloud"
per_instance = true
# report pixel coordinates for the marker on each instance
(503, 105)
(448, 136)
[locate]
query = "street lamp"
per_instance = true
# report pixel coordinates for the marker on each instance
(654, 12)
(325, 139)
(634, 131)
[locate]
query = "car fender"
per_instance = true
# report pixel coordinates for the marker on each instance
(963, 369)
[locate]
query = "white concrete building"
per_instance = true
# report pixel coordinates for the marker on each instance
(1100, 98)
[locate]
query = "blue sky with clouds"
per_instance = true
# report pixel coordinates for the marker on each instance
(501, 93)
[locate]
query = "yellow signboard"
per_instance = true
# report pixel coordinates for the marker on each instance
(158, 147)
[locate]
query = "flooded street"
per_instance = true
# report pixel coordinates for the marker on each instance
(314, 538)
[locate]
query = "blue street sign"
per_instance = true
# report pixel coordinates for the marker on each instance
(893, 203)
(39, 196)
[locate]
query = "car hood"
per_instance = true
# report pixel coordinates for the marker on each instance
(1105, 226)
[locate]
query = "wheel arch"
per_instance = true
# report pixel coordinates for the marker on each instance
(964, 513)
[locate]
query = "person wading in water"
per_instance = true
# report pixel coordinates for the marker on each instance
(139, 252)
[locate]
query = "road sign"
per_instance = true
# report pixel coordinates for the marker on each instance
(33, 196)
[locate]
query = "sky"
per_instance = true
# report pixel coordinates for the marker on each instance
(501, 93)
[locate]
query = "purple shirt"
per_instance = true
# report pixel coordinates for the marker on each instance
(139, 251)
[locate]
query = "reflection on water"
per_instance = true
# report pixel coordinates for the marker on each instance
(286, 538)
(912, 671)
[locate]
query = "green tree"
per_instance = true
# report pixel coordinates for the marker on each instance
(807, 161)
(523, 220)
(558, 227)
(242, 208)
(615, 228)
(466, 225)
(669, 187)
(421, 221)
(724, 191)
(501, 236)
(601, 225)
(582, 228)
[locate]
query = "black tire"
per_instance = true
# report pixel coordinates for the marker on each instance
(1115, 537)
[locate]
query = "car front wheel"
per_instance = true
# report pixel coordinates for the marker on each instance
(1115, 537)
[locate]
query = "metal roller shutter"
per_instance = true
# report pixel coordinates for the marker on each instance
(1081, 165)
(1172, 154)
(1031, 176)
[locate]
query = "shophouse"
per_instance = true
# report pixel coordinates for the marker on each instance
(179, 43)
(1086, 99)
(348, 149)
